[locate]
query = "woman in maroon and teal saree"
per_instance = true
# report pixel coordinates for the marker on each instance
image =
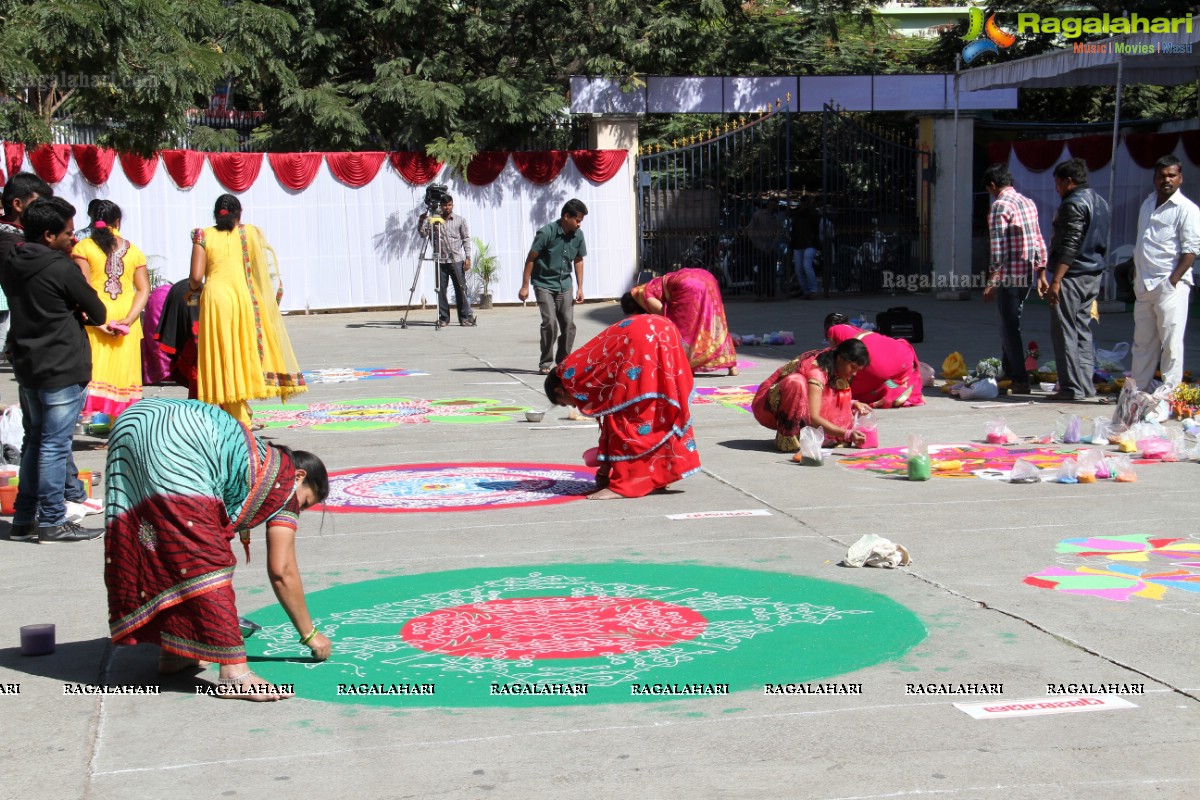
(182, 476)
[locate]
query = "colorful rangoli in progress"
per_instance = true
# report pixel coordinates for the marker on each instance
(956, 460)
(600, 629)
(455, 487)
(736, 397)
(385, 412)
(1123, 581)
(358, 374)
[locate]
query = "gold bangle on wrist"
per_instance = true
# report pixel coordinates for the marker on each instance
(310, 635)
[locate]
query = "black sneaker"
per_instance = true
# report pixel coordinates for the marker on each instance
(67, 532)
(23, 532)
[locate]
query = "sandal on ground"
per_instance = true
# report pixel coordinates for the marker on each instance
(543, 371)
(236, 688)
(257, 426)
(169, 663)
(733, 371)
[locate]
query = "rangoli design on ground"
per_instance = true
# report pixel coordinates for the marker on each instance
(405, 488)
(956, 460)
(736, 397)
(385, 412)
(348, 374)
(606, 626)
(1123, 581)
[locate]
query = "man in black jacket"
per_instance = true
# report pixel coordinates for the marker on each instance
(51, 302)
(21, 190)
(1077, 265)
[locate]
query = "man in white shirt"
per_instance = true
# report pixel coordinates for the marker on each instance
(1167, 244)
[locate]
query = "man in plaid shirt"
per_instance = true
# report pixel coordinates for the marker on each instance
(1017, 251)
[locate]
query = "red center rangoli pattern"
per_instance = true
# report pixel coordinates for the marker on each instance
(553, 627)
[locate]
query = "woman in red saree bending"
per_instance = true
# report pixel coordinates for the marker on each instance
(182, 476)
(892, 379)
(691, 298)
(635, 377)
(813, 390)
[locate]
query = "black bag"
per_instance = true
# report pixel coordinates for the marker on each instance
(901, 323)
(1125, 274)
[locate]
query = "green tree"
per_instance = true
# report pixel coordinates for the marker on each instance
(132, 67)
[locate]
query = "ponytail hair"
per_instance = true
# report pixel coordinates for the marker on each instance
(106, 215)
(836, 318)
(227, 212)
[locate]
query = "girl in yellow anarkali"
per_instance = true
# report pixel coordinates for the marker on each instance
(243, 350)
(116, 269)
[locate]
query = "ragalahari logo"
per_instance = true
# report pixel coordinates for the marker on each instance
(985, 37)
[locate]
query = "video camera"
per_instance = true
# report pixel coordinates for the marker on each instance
(435, 195)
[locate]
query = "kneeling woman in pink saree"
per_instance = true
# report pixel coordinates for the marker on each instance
(691, 298)
(892, 379)
(813, 390)
(635, 377)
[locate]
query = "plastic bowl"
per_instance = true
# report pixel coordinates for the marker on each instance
(1046, 387)
(534, 416)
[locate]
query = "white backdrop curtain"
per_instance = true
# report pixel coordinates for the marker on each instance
(1133, 185)
(343, 247)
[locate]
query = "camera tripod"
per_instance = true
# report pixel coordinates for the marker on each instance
(435, 238)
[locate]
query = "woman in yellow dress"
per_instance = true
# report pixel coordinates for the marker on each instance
(243, 350)
(116, 269)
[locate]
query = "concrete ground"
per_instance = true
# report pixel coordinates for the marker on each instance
(972, 541)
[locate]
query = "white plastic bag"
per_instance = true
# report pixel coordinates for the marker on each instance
(1024, 472)
(984, 389)
(12, 431)
(875, 551)
(811, 440)
(1112, 360)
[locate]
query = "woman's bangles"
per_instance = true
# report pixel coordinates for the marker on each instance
(309, 637)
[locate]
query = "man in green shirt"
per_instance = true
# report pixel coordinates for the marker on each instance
(558, 248)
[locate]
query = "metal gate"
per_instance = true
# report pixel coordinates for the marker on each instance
(877, 191)
(718, 201)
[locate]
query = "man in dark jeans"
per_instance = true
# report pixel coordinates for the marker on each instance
(52, 360)
(558, 249)
(1016, 251)
(1076, 265)
(452, 251)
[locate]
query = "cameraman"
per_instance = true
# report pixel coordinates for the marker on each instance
(452, 252)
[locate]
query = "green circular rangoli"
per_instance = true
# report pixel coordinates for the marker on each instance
(533, 630)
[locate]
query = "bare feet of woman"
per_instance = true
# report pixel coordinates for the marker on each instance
(604, 494)
(169, 663)
(248, 686)
(733, 371)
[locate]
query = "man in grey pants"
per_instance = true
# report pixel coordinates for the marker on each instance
(558, 249)
(1077, 264)
(452, 250)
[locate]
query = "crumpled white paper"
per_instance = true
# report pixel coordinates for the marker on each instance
(875, 551)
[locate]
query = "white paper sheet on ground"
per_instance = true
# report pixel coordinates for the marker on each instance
(561, 427)
(1040, 706)
(1004, 405)
(749, 512)
(993, 474)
